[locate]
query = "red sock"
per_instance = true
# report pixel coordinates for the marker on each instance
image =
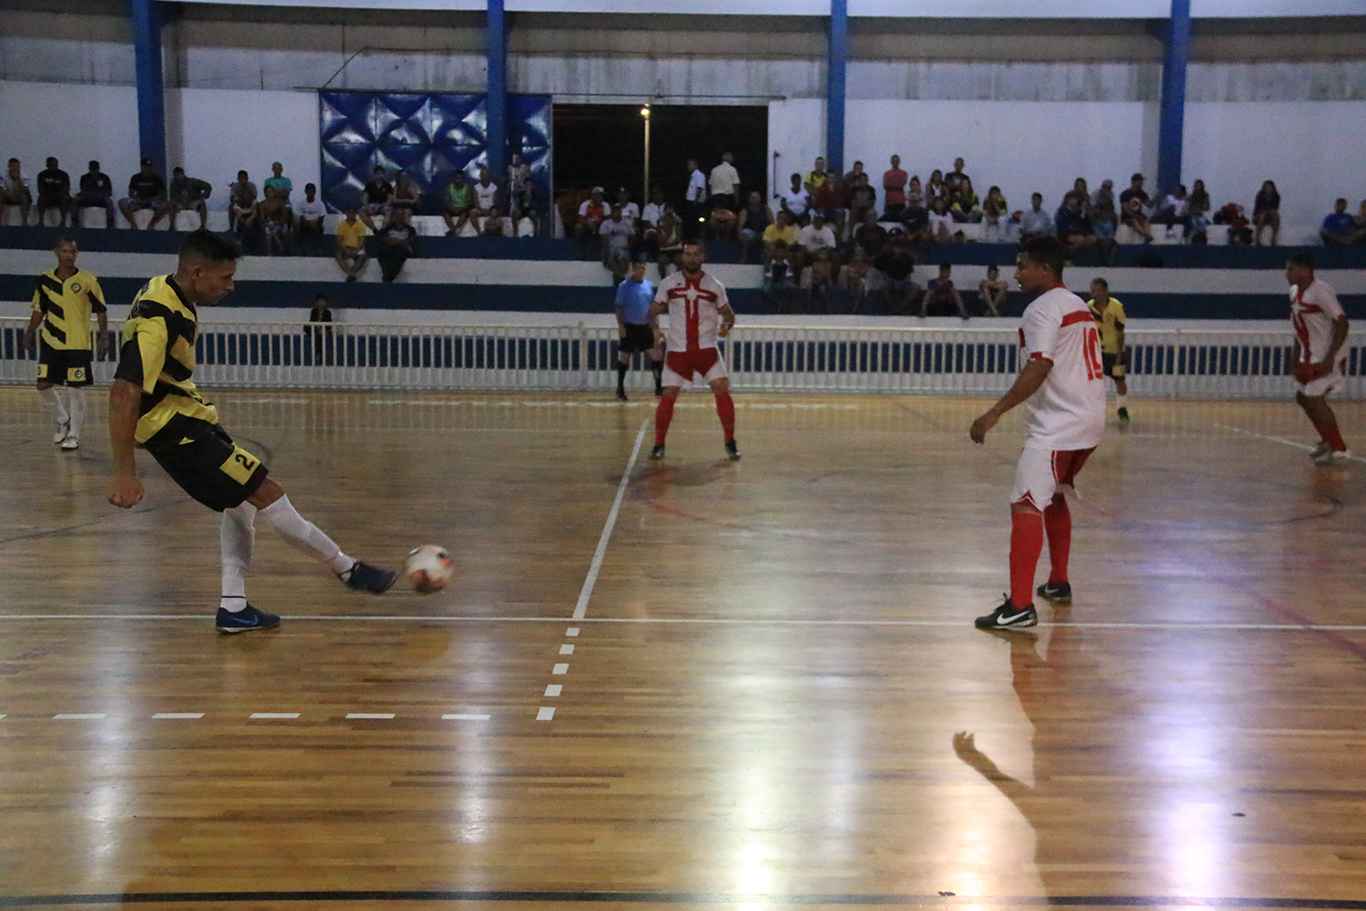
(664, 413)
(1026, 543)
(1332, 436)
(1057, 521)
(725, 410)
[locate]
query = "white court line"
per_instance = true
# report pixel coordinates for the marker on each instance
(595, 567)
(274, 716)
(560, 670)
(178, 716)
(80, 716)
(3, 717)
(572, 632)
(369, 716)
(552, 690)
(457, 716)
(545, 713)
(1282, 440)
(566, 649)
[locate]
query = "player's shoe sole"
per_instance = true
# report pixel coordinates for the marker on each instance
(366, 578)
(1333, 457)
(1008, 616)
(1055, 594)
(247, 620)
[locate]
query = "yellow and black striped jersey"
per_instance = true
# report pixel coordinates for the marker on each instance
(66, 306)
(156, 352)
(1111, 318)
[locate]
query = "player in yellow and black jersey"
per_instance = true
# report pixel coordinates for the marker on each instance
(1109, 314)
(154, 403)
(64, 299)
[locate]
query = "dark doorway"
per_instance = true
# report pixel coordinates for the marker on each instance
(604, 145)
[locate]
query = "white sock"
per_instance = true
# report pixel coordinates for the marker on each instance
(55, 405)
(75, 399)
(1121, 399)
(306, 536)
(237, 540)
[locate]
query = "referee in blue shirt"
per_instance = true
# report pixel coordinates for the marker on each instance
(634, 296)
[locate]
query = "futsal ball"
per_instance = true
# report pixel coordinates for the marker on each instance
(428, 568)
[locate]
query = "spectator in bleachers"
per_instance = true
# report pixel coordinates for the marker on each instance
(1080, 188)
(941, 225)
(965, 207)
(351, 256)
(1359, 236)
(54, 192)
(519, 187)
(722, 220)
(630, 212)
(694, 201)
(782, 231)
(894, 190)
(936, 189)
(1339, 228)
(617, 235)
(669, 237)
(650, 218)
(779, 282)
(592, 213)
(1104, 219)
(1174, 211)
(1036, 222)
(862, 198)
(308, 221)
(817, 177)
(320, 324)
(1134, 205)
(1197, 213)
(189, 194)
(241, 201)
(496, 224)
(894, 280)
(1266, 213)
(995, 216)
(853, 175)
(755, 218)
(146, 190)
(14, 191)
(97, 192)
(277, 223)
(993, 291)
(724, 183)
(818, 283)
(825, 196)
(942, 294)
(870, 236)
(397, 244)
(1239, 228)
(816, 236)
(1104, 197)
(485, 198)
(378, 191)
(277, 184)
(1073, 227)
(915, 217)
(459, 204)
(852, 282)
(407, 194)
(953, 181)
(795, 200)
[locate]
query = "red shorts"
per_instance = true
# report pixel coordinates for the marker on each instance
(681, 366)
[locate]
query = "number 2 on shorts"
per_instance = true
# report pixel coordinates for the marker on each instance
(240, 465)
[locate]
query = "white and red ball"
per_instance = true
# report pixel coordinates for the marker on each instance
(428, 568)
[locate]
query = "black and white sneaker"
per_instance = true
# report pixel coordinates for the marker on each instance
(1056, 592)
(1008, 616)
(1320, 450)
(1124, 416)
(621, 394)
(362, 577)
(245, 620)
(732, 451)
(658, 452)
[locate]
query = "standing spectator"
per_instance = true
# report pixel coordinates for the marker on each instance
(241, 201)
(853, 175)
(953, 181)
(308, 221)
(378, 191)
(1266, 213)
(277, 184)
(1036, 222)
(824, 195)
(782, 231)
(894, 190)
(817, 177)
(146, 190)
(724, 184)
(189, 194)
(1338, 229)
(407, 193)
(351, 232)
(459, 204)
(1198, 212)
(54, 192)
(993, 291)
(15, 191)
(1134, 206)
(966, 207)
(320, 322)
(817, 235)
(942, 293)
(277, 223)
(485, 198)
(795, 200)
(592, 213)
(818, 283)
(941, 226)
(97, 192)
(519, 187)
(995, 216)
(1359, 235)
(896, 275)
(694, 201)
(754, 221)
(397, 244)
(616, 235)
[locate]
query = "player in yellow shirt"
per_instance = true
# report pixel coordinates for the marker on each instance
(64, 299)
(1109, 312)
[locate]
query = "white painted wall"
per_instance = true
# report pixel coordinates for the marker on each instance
(111, 137)
(796, 131)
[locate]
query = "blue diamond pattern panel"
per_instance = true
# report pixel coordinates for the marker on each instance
(429, 135)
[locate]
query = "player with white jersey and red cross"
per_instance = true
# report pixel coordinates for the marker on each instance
(1320, 361)
(1063, 380)
(699, 315)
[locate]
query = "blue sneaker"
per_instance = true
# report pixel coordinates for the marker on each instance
(362, 577)
(245, 620)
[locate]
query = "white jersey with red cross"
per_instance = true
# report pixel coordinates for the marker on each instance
(1313, 311)
(694, 310)
(1068, 411)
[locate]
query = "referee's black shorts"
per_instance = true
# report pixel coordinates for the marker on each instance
(638, 337)
(208, 465)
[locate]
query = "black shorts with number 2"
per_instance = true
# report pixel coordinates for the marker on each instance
(210, 467)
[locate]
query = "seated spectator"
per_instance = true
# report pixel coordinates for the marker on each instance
(755, 219)
(189, 194)
(953, 181)
(936, 189)
(397, 244)
(277, 184)
(485, 198)
(617, 235)
(97, 192)
(894, 190)
(795, 200)
(1105, 196)
(1073, 227)
(592, 213)
(870, 236)
(862, 200)
(407, 194)
(496, 224)
(965, 207)
(308, 221)
(721, 222)
(724, 184)
(146, 190)
(915, 217)
(1198, 212)
(241, 200)
(519, 188)
(1036, 222)
(942, 294)
(54, 192)
(993, 291)
(650, 218)
(459, 204)
(14, 191)
(1134, 205)
(351, 256)
(378, 191)
(1104, 220)
(277, 223)
(1174, 211)
(817, 235)
(1359, 236)
(852, 282)
(630, 212)
(995, 217)
(895, 277)
(782, 231)
(779, 282)
(1080, 189)
(669, 237)
(818, 283)
(1339, 229)
(1239, 228)
(941, 225)
(1266, 213)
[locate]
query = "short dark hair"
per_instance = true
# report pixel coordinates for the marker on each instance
(310, 186)
(211, 247)
(1304, 260)
(1047, 252)
(1102, 282)
(65, 239)
(694, 243)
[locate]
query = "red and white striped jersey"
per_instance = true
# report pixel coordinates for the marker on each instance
(1313, 310)
(694, 310)
(1068, 411)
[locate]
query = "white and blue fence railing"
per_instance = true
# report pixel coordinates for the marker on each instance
(1186, 363)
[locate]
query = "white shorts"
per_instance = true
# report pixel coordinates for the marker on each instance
(681, 366)
(1333, 382)
(1041, 472)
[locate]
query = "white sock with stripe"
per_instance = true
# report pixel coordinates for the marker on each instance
(75, 398)
(55, 405)
(306, 536)
(237, 540)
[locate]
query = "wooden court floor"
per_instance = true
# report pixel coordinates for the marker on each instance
(772, 695)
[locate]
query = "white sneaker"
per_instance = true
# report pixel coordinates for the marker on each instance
(1333, 457)
(71, 443)
(1317, 452)
(62, 430)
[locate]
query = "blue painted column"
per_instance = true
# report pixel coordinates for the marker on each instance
(1172, 119)
(497, 105)
(151, 84)
(835, 86)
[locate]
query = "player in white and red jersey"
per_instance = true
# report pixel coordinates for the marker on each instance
(699, 314)
(1319, 362)
(1063, 379)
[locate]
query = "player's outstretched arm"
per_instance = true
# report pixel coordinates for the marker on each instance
(1026, 384)
(125, 490)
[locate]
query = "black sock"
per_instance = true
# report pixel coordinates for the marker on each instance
(658, 370)
(621, 375)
